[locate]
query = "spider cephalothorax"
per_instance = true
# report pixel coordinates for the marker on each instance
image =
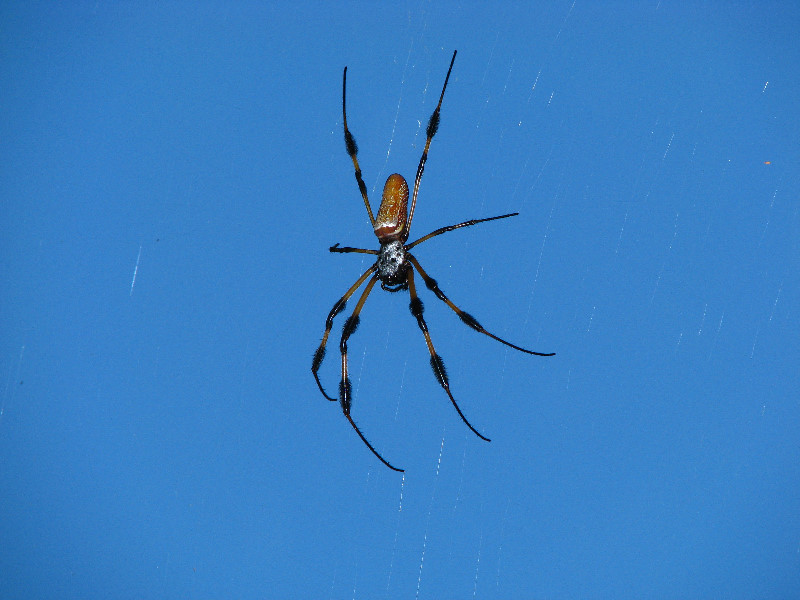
(394, 268)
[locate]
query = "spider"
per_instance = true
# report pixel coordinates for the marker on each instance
(395, 269)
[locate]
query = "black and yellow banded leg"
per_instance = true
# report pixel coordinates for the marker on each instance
(352, 150)
(319, 354)
(467, 318)
(437, 364)
(345, 389)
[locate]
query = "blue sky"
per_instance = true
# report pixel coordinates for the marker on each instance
(172, 177)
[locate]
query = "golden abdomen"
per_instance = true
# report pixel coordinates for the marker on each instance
(390, 224)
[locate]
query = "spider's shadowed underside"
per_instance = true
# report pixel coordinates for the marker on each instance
(394, 268)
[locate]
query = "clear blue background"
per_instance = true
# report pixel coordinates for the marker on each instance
(163, 437)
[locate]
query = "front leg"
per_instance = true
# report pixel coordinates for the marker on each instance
(319, 354)
(345, 388)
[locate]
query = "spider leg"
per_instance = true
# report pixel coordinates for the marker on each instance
(437, 364)
(467, 318)
(345, 397)
(442, 230)
(352, 149)
(433, 127)
(375, 452)
(346, 249)
(319, 355)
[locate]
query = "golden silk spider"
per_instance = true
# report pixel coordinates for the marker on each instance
(395, 268)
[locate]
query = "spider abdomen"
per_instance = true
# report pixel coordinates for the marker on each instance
(390, 223)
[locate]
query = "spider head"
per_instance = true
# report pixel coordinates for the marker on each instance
(392, 265)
